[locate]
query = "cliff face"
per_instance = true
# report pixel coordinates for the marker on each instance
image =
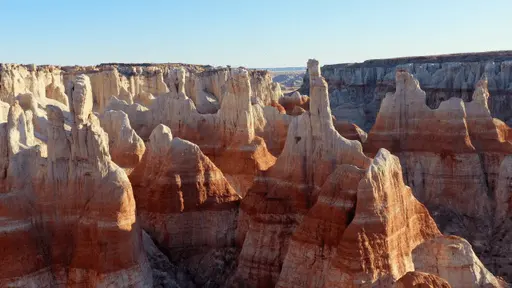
(356, 90)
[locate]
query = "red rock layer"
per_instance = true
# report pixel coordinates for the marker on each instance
(183, 199)
(389, 223)
(73, 222)
(451, 158)
(421, 280)
(314, 241)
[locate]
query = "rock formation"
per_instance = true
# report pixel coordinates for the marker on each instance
(357, 89)
(315, 240)
(37, 107)
(280, 197)
(223, 136)
(183, 200)
(219, 209)
(75, 216)
(129, 82)
(470, 145)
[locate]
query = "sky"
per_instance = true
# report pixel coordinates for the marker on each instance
(250, 33)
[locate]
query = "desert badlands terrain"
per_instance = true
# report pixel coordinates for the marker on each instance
(386, 173)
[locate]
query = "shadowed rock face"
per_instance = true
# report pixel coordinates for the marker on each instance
(72, 212)
(356, 90)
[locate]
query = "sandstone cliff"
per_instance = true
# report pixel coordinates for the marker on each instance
(357, 89)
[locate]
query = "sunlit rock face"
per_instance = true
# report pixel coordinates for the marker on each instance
(451, 158)
(228, 134)
(75, 216)
(280, 197)
(131, 83)
(356, 90)
(236, 186)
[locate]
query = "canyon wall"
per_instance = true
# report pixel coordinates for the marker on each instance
(356, 90)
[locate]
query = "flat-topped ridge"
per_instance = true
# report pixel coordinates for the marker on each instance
(442, 58)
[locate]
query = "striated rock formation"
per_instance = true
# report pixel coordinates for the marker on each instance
(453, 259)
(388, 224)
(219, 208)
(469, 147)
(315, 240)
(183, 200)
(280, 197)
(75, 216)
(229, 134)
(421, 280)
(357, 89)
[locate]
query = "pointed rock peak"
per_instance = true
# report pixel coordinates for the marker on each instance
(160, 138)
(406, 81)
(81, 99)
(313, 68)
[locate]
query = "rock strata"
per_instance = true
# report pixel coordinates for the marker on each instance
(356, 90)
(75, 217)
(470, 146)
(280, 197)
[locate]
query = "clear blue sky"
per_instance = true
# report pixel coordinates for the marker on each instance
(252, 33)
